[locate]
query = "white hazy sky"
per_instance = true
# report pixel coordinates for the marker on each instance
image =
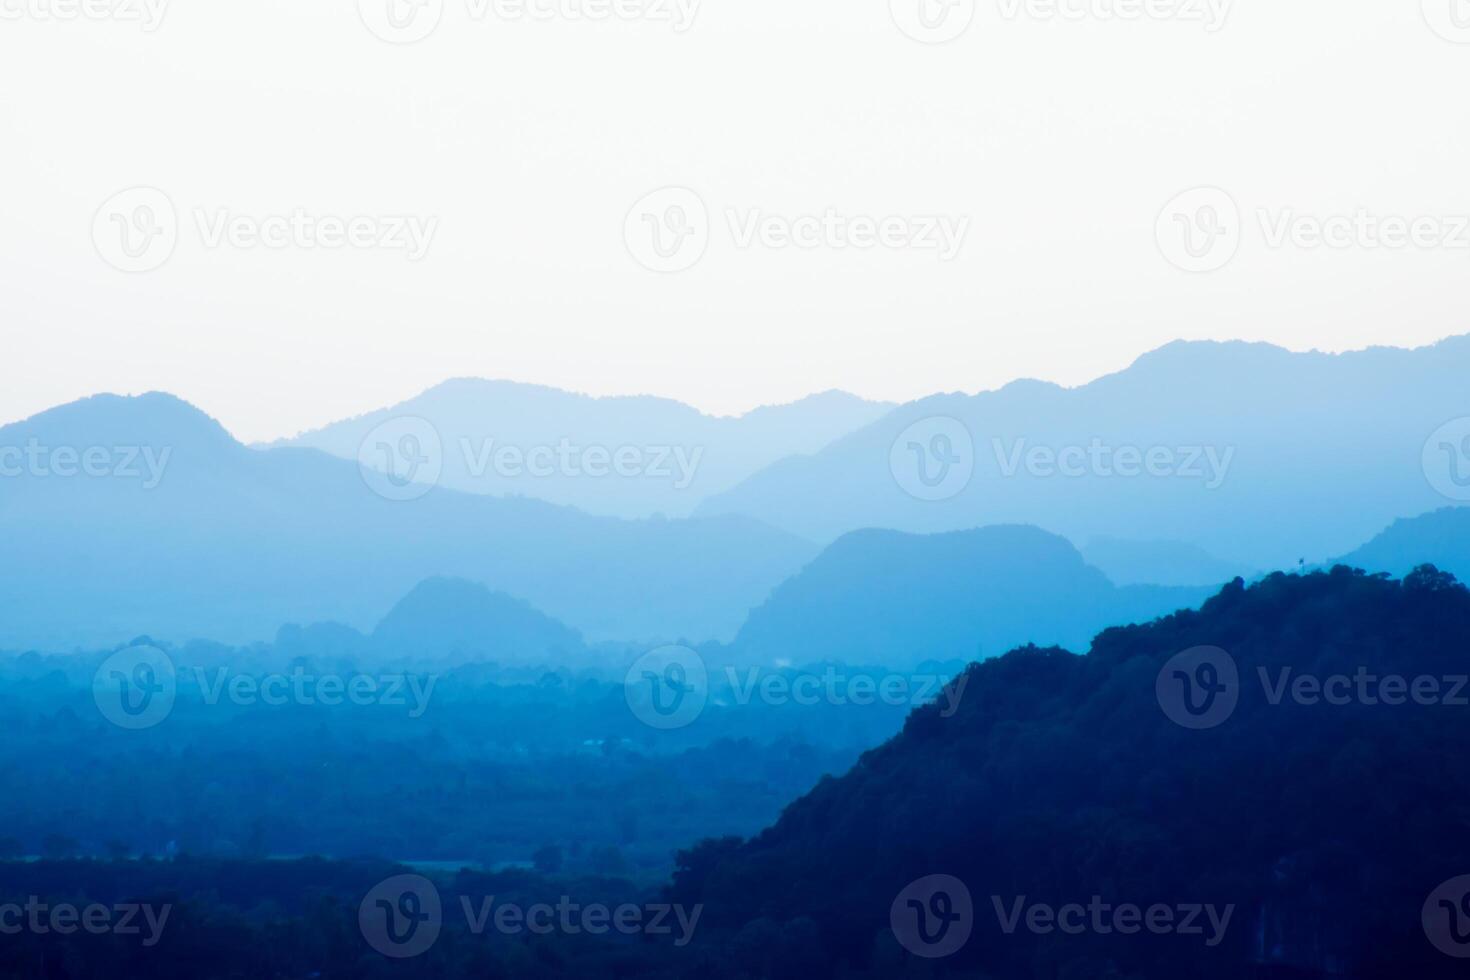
(1061, 140)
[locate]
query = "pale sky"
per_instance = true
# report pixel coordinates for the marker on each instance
(1055, 142)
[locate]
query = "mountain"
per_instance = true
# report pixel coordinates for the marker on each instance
(1441, 537)
(896, 599)
(1257, 455)
(675, 456)
(143, 515)
(1312, 832)
(453, 618)
(1158, 563)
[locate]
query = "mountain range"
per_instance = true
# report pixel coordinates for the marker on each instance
(222, 541)
(677, 456)
(1253, 455)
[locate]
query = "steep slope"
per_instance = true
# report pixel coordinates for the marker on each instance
(1325, 818)
(897, 599)
(677, 455)
(178, 531)
(1258, 455)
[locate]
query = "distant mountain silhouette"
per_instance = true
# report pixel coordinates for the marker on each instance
(459, 620)
(191, 534)
(896, 599)
(685, 455)
(1324, 827)
(1158, 563)
(1441, 538)
(1314, 453)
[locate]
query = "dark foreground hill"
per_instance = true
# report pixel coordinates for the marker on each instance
(1320, 817)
